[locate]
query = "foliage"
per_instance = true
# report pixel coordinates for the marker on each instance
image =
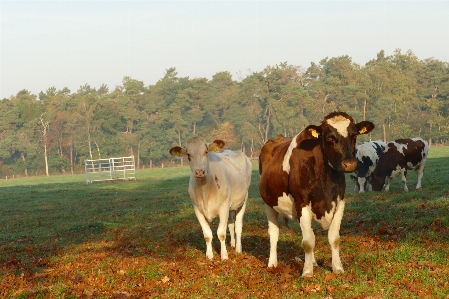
(402, 95)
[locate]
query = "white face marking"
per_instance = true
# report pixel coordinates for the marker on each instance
(340, 123)
(286, 162)
(286, 206)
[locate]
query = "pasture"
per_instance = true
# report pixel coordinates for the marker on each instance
(61, 238)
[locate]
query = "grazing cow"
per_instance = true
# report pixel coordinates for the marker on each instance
(367, 155)
(218, 187)
(398, 156)
(303, 178)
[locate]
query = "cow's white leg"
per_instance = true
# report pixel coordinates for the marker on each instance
(273, 231)
(387, 185)
(308, 241)
(404, 178)
(239, 226)
(420, 173)
(221, 231)
(334, 237)
(231, 226)
(361, 184)
(207, 232)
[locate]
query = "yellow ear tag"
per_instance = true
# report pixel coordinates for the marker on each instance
(314, 133)
(214, 149)
(363, 130)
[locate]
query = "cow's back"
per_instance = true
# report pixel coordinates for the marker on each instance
(268, 150)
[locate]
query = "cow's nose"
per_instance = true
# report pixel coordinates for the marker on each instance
(200, 173)
(349, 165)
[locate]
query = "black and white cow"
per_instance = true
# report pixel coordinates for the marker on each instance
(398, 156)
(367, 155)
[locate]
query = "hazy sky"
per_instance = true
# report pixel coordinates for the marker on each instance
(71, 43)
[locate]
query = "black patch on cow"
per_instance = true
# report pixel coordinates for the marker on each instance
(379, 149)
(363, 166)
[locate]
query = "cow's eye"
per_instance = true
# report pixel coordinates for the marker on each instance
(331, 139)
(189, 156)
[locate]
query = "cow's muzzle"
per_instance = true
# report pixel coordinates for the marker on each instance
(349, 165)
(200, 173)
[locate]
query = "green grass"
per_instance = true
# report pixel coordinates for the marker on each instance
(61, 238)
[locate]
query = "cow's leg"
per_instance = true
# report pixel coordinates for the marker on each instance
(231, 226)
(221, 231)
(273, 231)
(207, 232)
(387, 183)
(361, 182)
(420, 172)
(334, 237)
(308, 241)
(239, 226)
(404, 178)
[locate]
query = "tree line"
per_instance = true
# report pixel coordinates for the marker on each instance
(56, 130)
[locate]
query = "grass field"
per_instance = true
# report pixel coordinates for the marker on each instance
(61, 238)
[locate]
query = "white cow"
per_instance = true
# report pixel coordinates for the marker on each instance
(218, 187)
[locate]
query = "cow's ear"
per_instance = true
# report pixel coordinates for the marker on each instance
(364, 127)
(216, 146)
(313, 131)
(178, 151)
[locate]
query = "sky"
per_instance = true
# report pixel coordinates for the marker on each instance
(61, 44)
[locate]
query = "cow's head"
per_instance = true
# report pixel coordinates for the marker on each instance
(338, 135)
(197, 150)
(377, 181)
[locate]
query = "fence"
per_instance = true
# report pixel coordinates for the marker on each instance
(111, 169)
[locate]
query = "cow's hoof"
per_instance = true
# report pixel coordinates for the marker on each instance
(272, 264)
(307, 274)
(339, 271)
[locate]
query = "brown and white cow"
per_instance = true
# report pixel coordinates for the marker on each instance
(218, 187)
(303, 178)
(398, 156)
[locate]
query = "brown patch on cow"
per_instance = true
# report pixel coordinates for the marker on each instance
(336, 243)
(307, 247)
(216, 181)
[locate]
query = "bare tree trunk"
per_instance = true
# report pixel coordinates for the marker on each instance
(89, 142)
(179, 138)
(44, 135)
(194, 128)
(98, 150)
(24, 163)
(71, 157)
(268, 125)
(385, 132)
(138, 155)
(364, 109)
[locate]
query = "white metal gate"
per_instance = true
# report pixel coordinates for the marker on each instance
(122, 168)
